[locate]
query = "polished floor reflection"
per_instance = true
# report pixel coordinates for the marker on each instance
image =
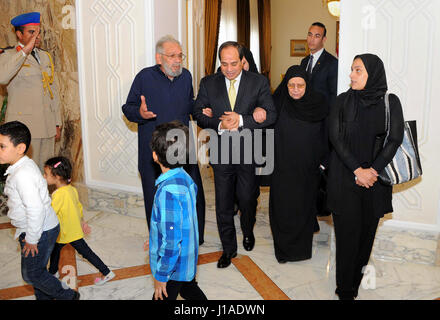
(118, 240)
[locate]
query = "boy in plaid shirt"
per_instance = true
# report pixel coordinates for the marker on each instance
(174, 234)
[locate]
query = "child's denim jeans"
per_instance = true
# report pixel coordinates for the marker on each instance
(34, 269)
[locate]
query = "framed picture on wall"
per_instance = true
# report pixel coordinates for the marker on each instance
(299, 48)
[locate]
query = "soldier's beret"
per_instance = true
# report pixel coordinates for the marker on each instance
(30, 18)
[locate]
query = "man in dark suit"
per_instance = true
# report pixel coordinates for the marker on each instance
(240, 101)
(322, 69)
(321, 66)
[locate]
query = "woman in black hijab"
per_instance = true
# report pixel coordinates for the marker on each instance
(355, 197)
(248, 61)
(300, 148)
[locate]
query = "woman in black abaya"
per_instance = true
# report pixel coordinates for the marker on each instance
(300, 148)
(356, 198)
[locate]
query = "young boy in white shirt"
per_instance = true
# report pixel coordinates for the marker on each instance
(31, 213)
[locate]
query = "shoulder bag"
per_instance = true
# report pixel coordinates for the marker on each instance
(405, 165)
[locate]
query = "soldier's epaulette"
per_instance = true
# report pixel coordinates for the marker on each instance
(4, 49)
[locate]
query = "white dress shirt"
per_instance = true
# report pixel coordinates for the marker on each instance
(29, 202)
(316, 56)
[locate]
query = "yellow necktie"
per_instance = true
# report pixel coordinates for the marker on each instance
(232, 94)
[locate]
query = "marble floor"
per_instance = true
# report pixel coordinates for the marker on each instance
(118, 240)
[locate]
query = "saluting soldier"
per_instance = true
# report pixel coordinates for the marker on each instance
(28, 73)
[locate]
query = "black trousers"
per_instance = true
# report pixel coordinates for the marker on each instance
(187, 290)
(148, 179)
(83, 249)
(355, 233)
(235, 182)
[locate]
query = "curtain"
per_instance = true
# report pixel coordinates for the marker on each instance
(265, 37)
(243, 23)
(255, 33)
(212, 25)
(228, 24)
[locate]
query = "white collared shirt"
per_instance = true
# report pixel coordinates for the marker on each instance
(237, 82)
(316, 57)
(29, 202)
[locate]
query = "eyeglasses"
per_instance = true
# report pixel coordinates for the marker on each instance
(294, 85)
(180, 56)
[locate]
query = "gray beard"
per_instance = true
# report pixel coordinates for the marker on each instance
(169, 72)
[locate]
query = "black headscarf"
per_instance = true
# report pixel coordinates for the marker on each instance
(250, 59)
(374, 90)
(376, 85)
(311, 107)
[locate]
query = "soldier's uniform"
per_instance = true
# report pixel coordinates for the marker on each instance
(32, 97)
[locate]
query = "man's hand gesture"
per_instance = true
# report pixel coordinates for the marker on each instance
(31, 44)
(143, 110)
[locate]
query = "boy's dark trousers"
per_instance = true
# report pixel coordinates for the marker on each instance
(83, 249)
(34, 269)
(187, 290)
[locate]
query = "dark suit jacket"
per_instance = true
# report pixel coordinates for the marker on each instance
(253, 92)
(324, 75)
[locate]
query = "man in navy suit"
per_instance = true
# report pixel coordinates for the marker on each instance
(321, 66)
(236, 98)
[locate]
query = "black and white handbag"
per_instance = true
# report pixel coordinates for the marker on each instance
(405, 165)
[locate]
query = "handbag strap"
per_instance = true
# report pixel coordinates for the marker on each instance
(387, 117)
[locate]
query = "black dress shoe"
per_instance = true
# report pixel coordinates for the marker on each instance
(76, 295)
(282, 261)
(249, 242)
(225, 259)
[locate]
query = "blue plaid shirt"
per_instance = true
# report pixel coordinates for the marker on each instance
(174, 236)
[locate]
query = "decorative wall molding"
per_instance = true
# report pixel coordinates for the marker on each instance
(115, 41)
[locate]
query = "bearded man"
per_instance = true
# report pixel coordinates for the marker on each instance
(159, 94)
